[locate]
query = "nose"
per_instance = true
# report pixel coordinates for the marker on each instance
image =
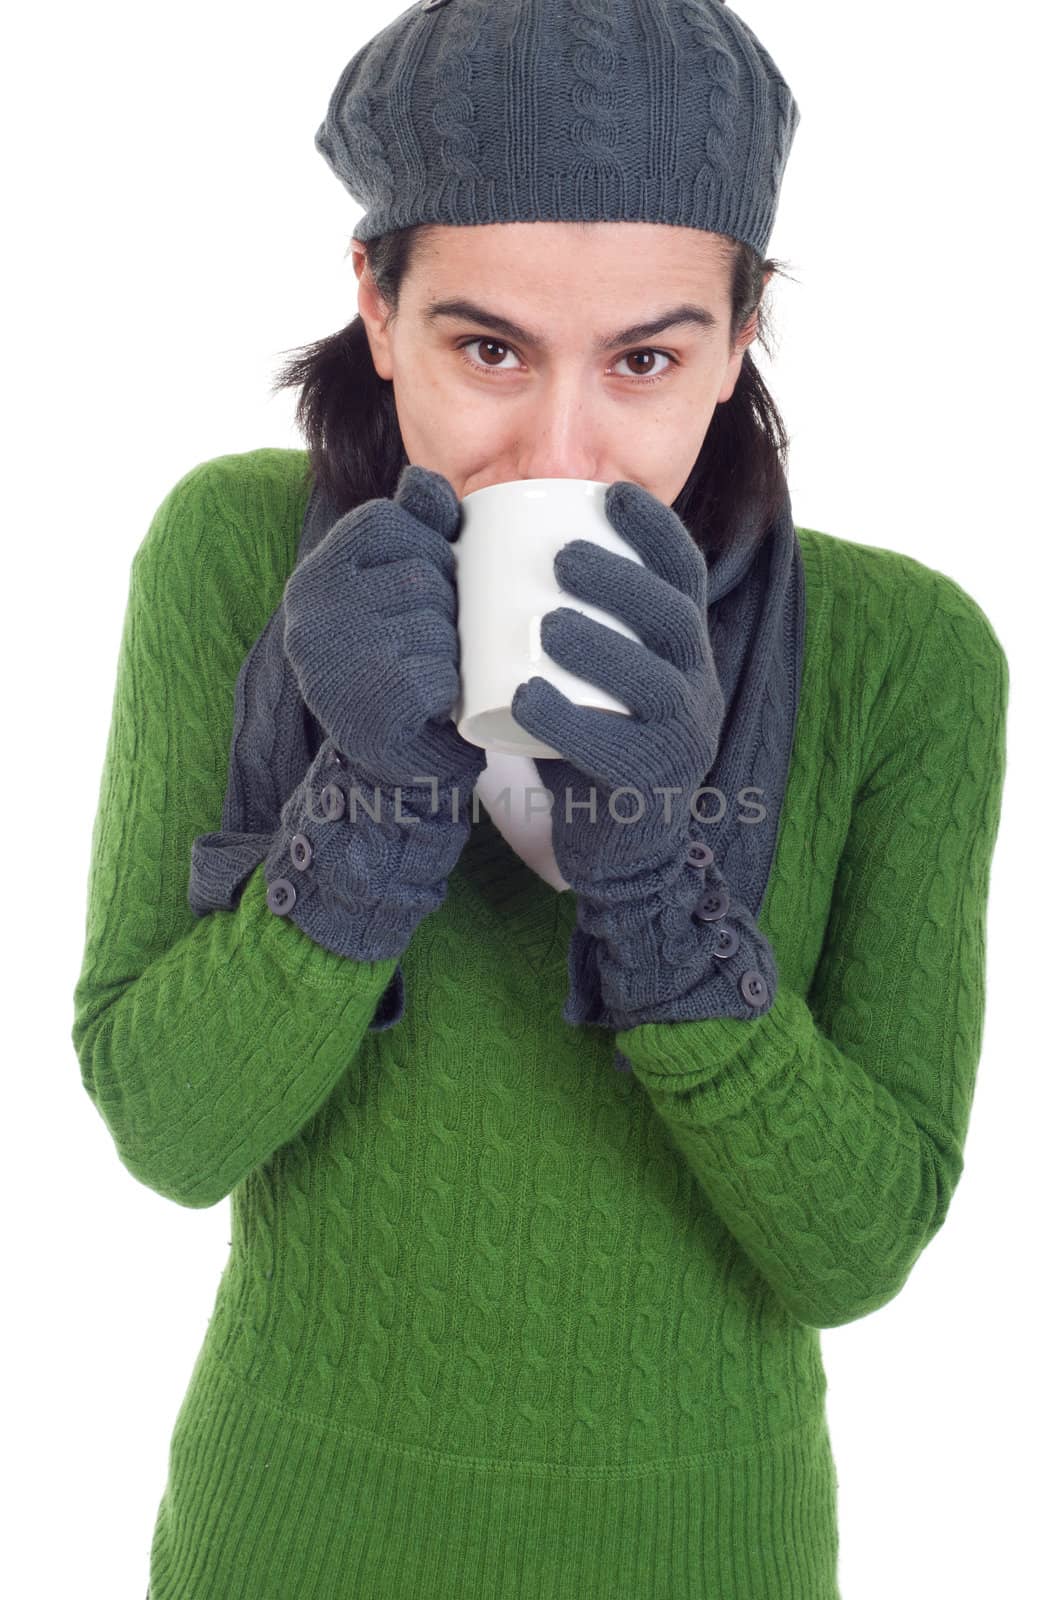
(560, 431)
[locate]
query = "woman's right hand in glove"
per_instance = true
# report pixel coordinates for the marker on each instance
(371, 634)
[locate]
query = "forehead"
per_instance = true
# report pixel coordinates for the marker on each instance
(651, 243)
(528, 275)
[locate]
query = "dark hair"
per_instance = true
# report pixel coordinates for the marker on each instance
(347, 413)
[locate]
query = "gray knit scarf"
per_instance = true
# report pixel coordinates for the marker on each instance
(757, 627)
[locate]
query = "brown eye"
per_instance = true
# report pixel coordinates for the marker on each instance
(483, 342)
(648, 375)
(470, 351)
(489, 344)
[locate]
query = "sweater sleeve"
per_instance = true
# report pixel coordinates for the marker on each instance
(829, 1133)
(204, 1042)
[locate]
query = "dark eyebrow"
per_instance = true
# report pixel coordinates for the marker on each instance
(467, 311)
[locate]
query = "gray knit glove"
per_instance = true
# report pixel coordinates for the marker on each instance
(370, 631)
(659, 937)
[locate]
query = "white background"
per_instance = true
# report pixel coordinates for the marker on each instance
(170, 232)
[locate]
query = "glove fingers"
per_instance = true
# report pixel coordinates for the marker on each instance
(374, 534)
(397, 589)
(664, 618)
(417, 688)
(430, 498)
(371, 633)
(651, 688)
(596, 742)
(661, 539)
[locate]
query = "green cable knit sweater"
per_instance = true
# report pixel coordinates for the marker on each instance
(498, 1320)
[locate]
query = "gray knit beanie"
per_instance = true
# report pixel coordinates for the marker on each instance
(483, 111)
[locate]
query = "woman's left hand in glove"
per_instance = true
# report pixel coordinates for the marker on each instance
(651, 941)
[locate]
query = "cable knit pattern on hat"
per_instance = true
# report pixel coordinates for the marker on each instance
(454, 108)
(596, 58)
(714, 63)
(495, 1317)
(473, 112)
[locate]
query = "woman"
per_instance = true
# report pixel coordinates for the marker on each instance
(498, 1319)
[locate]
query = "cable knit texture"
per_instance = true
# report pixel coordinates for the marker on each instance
(497, 1320)
(471, 113)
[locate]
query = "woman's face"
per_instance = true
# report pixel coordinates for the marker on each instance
(522, 386)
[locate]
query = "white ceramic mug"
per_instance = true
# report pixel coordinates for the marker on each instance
(504, 574)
